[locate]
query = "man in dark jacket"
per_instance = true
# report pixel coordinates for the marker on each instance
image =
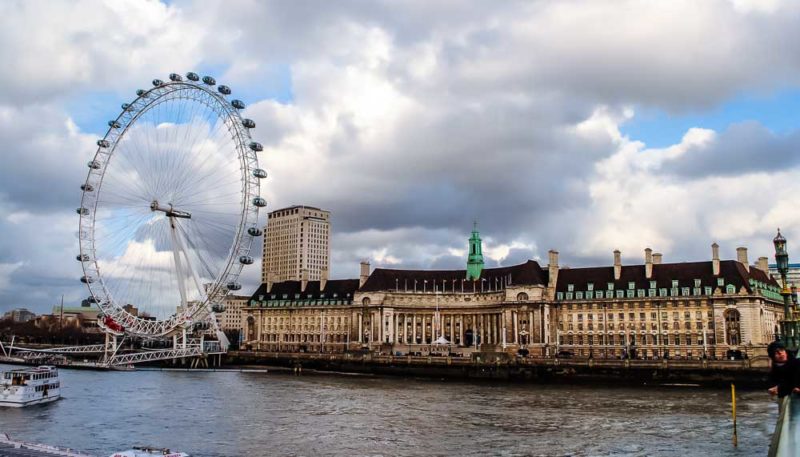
(785, 373)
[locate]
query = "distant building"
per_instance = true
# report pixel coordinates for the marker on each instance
(19, 315)
(84, 317)
(717, 308)
(231, 318)
(296, 245)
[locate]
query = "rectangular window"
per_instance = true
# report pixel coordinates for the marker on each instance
(652, 284)
(570, 287)
(590, 286)
(589, 294)
(684, 291)
(631, 285)
(579, 295)
(620, 293)
(640, 293)
(720, 281)
(611, 286)
(674, 283)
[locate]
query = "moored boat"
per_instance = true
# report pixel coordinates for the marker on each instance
(144, 451)
(30, 386)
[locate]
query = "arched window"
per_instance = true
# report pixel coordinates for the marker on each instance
(522, 296)
(732, 329)
(365, 301)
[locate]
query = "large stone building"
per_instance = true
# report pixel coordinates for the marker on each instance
(715, 308)
(296, 245)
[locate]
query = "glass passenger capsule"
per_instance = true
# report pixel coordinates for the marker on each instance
(246, 260)
(141, 92)
(103, 143)
(87, 187)
(256, 146)
(82, 211)
(157, 82)
(126, 106)
(175, 77)
(225, 90)
(94, 165)
(255, 231)
(91, 299)
(233, 285)
(114, 124)
(249, 123)
(260, 202)
(218, 308)
(209, 80)
(259, 173)
(87, 279)
(82, 257)
(192, 76)
(238, 104)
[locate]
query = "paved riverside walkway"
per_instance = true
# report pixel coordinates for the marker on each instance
(786, 439)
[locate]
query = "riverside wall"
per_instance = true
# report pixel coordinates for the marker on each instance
(501, 366)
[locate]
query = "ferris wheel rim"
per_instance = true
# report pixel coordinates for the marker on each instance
(242, 243)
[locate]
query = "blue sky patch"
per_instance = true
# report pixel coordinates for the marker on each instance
(779, 112)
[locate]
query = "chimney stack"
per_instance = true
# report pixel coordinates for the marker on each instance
(270, 281)
(715, 258)
(657, 258)
(763, 264)
(741, 256)
(617, 264)
(303, 279)
(648, 263)
(552, 272)
(364, 273)
(323, 278)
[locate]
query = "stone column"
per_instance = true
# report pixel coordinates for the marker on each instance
(414, 329)
(360, 328)
(515, 316)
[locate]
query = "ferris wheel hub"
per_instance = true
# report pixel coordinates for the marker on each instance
(170, 211)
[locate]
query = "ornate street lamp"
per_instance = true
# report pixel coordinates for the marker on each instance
(789, 330)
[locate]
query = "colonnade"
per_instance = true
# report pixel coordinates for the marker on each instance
(464, 329)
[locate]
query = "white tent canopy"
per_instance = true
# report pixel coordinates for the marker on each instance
(441, 340)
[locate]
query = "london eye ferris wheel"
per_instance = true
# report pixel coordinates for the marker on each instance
(169, 211)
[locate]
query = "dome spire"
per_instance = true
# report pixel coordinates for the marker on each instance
(475, 258)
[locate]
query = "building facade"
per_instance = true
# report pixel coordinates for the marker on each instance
(231, 318)
(296, 244)
(19, 315)
(714, 309)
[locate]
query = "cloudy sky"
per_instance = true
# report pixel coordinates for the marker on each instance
(578, 126)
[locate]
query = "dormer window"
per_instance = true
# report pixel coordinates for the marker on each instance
(674, 283)
(652, 284)
(720, 282)
(697, 283)
(631, 285)
(570, 287)
(611, 286)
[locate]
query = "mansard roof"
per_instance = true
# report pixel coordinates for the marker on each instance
(731, 271)
(340, 289)
(384, 279)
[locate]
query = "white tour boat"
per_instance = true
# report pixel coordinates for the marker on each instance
(30, 386)
(144, 451)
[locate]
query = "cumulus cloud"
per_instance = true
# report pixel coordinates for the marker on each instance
(411, 120)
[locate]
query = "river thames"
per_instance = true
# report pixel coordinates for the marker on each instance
(260, 414)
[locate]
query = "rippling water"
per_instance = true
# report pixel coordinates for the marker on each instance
(257, 414)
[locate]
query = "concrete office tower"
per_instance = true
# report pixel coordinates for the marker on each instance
(296, 245)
